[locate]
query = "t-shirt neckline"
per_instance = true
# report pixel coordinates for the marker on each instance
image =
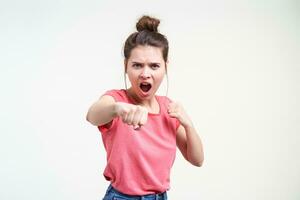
(149, 113)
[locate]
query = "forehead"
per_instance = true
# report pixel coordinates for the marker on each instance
(146, 54)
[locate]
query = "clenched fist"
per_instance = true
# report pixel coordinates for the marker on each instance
(130, 114)
(176, 110)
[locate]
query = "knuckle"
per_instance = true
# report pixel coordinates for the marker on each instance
(135, 109)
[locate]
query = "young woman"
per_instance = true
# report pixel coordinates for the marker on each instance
(140, 130)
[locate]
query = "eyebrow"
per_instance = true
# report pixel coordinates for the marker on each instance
(135, 62)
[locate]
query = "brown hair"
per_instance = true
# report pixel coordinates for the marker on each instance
(147, 35)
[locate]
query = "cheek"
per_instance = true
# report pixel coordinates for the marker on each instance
(159, 80)
(160, 76)
(133, 79)
(132, 76)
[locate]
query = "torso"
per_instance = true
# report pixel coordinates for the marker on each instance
(139, 161)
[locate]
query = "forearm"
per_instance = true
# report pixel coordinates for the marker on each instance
(194, 149)
(100, 114)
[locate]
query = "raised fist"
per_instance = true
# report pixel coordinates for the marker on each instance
(130, 114)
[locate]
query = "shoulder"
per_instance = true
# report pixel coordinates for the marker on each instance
(164, 99)
(117, 94)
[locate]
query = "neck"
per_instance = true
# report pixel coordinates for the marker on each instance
(149, 103)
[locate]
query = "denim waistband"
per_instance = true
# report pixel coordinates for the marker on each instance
(162, 195)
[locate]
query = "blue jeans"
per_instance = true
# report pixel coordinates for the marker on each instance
(113, 194)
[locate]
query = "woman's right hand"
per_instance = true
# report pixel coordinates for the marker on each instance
(130, 114)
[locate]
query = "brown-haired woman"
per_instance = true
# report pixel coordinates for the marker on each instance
(141, 130)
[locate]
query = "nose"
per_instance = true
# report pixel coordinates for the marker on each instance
(145, 73)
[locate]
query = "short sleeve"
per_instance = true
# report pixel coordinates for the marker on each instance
(177, 123)
(118, 96)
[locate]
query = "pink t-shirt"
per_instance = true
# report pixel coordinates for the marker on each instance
(139, 161)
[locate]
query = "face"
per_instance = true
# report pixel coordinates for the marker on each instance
(145, 69)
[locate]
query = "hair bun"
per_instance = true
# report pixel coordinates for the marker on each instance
(147, 23)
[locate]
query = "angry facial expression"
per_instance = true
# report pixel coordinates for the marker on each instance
(145, 69)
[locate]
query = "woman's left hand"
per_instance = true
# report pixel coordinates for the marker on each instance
(176, 110)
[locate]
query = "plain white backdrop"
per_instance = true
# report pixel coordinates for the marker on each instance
(234, 65)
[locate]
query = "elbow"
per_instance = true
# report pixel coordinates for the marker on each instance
(195, 160)
(88, 118)
(197, 163)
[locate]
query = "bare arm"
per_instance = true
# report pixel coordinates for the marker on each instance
(106, 109)
(190, 145)
(102, 111)
(187, 139)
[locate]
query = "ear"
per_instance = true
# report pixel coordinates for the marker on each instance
(166, 64)
(125, 65)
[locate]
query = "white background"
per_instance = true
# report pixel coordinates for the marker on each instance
(234, 65)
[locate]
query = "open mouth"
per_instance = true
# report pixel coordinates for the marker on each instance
(145, 87)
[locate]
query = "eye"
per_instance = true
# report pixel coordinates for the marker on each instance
(136, 65)
(155, 66)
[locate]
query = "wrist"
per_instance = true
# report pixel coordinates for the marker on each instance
(115, 109)
(188, 125)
